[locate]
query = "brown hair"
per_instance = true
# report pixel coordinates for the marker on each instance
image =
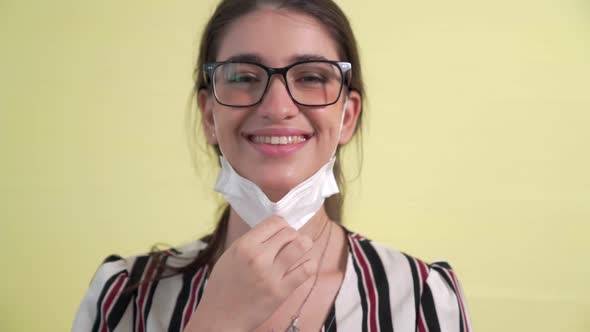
(332, 17)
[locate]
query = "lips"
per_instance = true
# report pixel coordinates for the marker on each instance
(278, 142)
(278, 136)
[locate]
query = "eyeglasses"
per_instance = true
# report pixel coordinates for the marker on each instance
(309, 83)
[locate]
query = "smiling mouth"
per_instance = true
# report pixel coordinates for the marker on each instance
(278, 140)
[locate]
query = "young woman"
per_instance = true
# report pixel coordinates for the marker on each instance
(279, 88)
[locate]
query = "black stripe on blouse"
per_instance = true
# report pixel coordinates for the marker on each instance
(104, 292)
(137, 271)
(181, 302)
(381, 285)
(430, 310)
(416, 282)
(331, 320)
(153, 285)
(444, 269)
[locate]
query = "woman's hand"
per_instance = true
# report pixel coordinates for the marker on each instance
(253, 278)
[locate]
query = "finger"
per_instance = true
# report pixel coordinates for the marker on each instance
(277, 242)
(299, 274)
(291, 253)
(266, 229)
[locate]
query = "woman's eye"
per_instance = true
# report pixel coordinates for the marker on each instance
(242, 79)
(312, 79)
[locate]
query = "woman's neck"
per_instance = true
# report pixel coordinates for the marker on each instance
(238, 227)
(337, 252)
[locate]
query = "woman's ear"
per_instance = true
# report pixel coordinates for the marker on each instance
(205, 103)
(351, 115)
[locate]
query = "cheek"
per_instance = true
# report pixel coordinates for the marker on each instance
(227, 125)
(328, 124)
(225, 121)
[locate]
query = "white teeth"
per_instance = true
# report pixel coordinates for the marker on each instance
(278, 140)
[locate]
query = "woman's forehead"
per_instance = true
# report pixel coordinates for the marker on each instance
(277, 37)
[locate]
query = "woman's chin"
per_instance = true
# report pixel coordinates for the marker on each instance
(276, 192)
(277, 184)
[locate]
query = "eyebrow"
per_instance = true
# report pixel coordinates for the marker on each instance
(249, 57)
(253, 57)
(306, 57)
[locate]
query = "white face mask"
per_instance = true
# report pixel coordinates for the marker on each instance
(297, 207)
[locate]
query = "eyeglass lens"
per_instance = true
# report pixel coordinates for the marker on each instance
(310, 83)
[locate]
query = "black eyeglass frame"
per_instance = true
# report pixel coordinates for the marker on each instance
(344, 67)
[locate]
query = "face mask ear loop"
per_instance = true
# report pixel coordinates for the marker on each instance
(342, 117)
(216, 133)
(341, 123)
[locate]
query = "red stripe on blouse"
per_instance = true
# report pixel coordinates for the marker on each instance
(460, 298)
(107, 305)
(142, 293)
(369, 284)
(188, 309)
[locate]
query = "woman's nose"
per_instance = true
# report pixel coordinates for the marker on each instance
(277, 104)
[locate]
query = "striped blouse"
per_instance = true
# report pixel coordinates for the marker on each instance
(382, 290)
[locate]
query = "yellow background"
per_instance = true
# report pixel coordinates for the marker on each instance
(477, 148)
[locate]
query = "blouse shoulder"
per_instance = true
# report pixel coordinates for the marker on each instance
(103, 294)
(438, 299)
(443, 303)
(106, 302)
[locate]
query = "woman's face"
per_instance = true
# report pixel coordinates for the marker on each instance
(278, 38)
